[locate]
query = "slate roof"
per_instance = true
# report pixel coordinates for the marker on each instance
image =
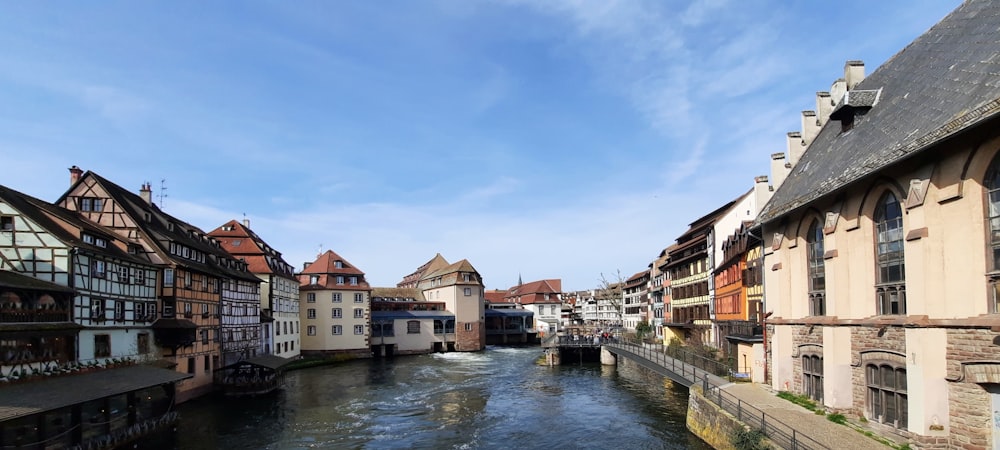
(66, 225)
(32, 397)
(16, 280)
(945, 82)
(161, 232)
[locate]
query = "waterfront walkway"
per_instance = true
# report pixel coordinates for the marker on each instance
(788, 425)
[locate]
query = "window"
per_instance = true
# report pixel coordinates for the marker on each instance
(102, 345)
(187, 280)
(468, 327)
(468, 292)
(86, 204)
(891, 290)
(97, 309)
(313, 279)
(992, 185)
(140, 277)
(812, 377)
(168, 277)
(188, 312)
(354, 281)
(204, 335)
(359, 297)
(887, 401)
(337, 330)
(336, 313)
(97, 268)
(311, 297)
(359, 313)
(205, 363)
(817, 270)
(338, 264)
(412, 327)
(6, 223)
(336, 297)
(467, 277)
(190, 367)
(119, 310)
(359, 329)
(340, 279)
(310, 313)
(123, 274)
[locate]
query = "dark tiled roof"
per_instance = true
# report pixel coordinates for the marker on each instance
(509, 313)
(15, 280)
(943, 83)
(32, 397)
(272, 362)
(393, 293)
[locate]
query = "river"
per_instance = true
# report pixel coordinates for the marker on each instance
(495, 399)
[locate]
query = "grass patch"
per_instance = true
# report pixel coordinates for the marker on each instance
(837, 418)
(798, 399)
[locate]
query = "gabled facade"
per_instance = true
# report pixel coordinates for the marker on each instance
(335, 307)
(635, 302)
(460, 287)
(544, 299)
(208, 304)
(279, 307)
(690, 270)
(114, 299)
(659, 282)
(881, 247)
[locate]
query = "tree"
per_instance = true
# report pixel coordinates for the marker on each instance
(611, 294)
(642, 329)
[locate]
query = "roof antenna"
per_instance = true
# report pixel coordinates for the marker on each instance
(162, 195)
(319, 250)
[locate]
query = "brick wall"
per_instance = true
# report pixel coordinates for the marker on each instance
(469, 341)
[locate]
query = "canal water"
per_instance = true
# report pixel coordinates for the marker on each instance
(495, 399)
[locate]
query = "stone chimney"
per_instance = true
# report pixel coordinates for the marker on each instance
(810, 128)
(146, 192)
(823, 108)
(837, 91)
(854, 72)
(795, 147)
(74, 175)
(761, 191)
(779, 169)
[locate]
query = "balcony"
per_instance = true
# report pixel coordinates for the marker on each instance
(21, 315)
(741, 330)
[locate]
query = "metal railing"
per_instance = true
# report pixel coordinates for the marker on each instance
(777, 431)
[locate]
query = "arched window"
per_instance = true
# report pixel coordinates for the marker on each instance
(817, 270)
(992, 185)
(891, 289)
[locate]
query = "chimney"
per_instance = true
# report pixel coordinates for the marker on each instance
(246, 222)
(809, 128)
(146, 192)
(854, 72)
(74, 174)
(305, 265)
(823, 107)
(837, 91)
(779, 170)
(795, 147)
(761, 191)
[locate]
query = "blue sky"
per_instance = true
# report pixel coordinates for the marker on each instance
(547, 139)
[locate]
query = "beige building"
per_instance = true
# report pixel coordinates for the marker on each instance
(334, 307)
(883, 244)
(460, 287)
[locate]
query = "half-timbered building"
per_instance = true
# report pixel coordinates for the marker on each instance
(208, 303)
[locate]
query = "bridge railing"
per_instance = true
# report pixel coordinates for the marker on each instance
(777, 431)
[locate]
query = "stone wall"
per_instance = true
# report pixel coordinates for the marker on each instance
(970, 404)
(710, 422)
(803, 335)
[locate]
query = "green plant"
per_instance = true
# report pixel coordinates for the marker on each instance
(798, 399)
(747, 438)
(837, 418)
(904, 447)
(862, 419)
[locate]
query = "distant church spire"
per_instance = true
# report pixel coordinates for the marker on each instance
(519, 282)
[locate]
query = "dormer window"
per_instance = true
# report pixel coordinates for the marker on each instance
(6, 223)
(854, 104)
(170, 226)
(338, 264)
(314, 279)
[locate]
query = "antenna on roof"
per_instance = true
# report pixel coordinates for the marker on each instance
(319, 250)
(162, 195)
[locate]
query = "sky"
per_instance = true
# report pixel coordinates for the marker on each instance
(569, 139)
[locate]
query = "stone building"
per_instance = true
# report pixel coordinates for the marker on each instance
(882, 246)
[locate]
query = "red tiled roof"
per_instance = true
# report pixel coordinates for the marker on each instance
(326, 268)
(240, 241)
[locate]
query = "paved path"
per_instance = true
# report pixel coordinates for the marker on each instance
(833, 435)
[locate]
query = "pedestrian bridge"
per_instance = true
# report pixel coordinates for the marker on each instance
(683, 368)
